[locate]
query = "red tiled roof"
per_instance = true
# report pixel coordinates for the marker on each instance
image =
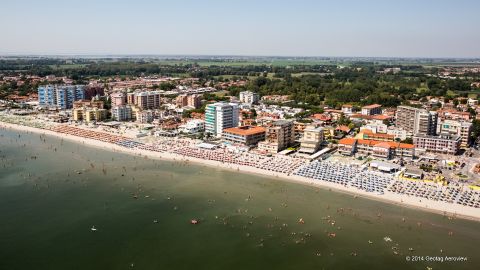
(347, 141)
(245, 130)
(371, 117)
(383, 145)
(322, 117)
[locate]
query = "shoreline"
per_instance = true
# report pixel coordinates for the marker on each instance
(437, 207)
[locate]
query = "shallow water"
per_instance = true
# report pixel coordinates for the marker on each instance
(48, 205)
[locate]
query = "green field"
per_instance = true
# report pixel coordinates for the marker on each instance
(67, 66)
(279, 63)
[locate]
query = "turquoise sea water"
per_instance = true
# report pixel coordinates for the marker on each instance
(52, 192)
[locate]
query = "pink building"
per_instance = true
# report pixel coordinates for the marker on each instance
(118, 98)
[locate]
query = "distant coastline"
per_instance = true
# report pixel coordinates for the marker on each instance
(438, 207)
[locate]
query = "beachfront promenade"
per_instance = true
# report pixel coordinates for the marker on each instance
(343, 175)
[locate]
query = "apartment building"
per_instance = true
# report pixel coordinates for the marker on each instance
(184, 100)
(372, 109)
(193, 126)
(312, 140)
(249, 97)
(246, 135)
(416, 121)
(279, 135)
(452, 114)
(47, 95)
(148, 100)
(397, 133)
(122, 113)
(118, 98)
(88, 103)
(444, 143)
(458, 128)
(89, 114)
(144, 117)
(61, 96)
(219, 116)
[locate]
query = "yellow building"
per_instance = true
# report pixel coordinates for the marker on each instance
(89, 114)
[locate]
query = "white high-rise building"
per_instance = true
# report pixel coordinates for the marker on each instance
(219, 116)
(249, 97)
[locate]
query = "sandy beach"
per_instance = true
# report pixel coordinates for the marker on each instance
(451, 209)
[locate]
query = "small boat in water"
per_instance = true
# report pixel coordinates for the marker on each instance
(93, 229)
(194, 221)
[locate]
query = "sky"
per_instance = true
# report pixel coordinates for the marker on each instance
(363, 28)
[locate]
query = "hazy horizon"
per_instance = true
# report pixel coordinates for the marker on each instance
(306, 28)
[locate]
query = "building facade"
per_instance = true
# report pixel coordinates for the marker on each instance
(458, 128)
(88, 103)
(312, 140)
(148, 100)
(219, 116)
(279, 135)
(379, 149)
(372, 109)
(447, 144)
(416, 121)
(194, 101)
(249, 97)
(144, 117)
(118, 98)
(246, 135)
(193, 126)
(60, 96)
(89, 114)
(122, 113)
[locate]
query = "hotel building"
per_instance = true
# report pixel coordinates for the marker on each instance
(148, 100)
(89, 114)
(122, 113)
(416, 121)
(61, 96)
(312, 140)
(379, 149)
(458, 128)
(193, 126)
(447, 144)
(246, 135)
(279, 135)
(219, 116)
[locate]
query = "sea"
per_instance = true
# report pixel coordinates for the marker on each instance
(66, 205)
